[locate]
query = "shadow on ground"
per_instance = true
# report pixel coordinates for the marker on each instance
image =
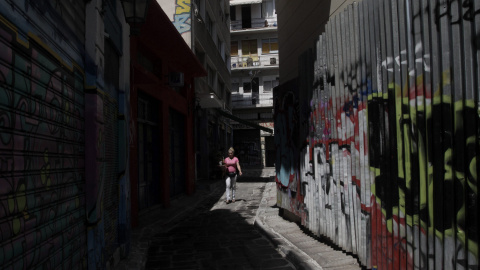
(223, 238)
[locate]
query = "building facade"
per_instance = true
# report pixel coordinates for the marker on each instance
(162, 103)
(204, 24)
(255, 72)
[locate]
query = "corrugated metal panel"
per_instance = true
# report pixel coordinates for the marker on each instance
(72, 14)
(393, 135)
(110, 188)
(42, 218)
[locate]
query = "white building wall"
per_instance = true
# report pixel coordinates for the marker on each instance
(257, 11)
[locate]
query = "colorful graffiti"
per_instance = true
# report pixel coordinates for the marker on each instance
(286, 144)
(42, 199)
(286, 117)
(390, 169)
(182, 18)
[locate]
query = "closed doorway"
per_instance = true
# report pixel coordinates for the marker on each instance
(246, 16)
(255, 91)
(270, 151)
(178, 163)
(148, 153)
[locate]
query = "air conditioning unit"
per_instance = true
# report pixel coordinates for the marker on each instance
(273, 61)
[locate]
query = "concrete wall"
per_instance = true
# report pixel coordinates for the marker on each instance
(256, 11)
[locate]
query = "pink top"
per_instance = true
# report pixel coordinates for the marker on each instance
(231, 164)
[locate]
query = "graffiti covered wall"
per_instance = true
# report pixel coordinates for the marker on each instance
(286, 144)
(389, 167)
(42, 196)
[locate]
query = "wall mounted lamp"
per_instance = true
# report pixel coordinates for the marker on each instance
(135, 12)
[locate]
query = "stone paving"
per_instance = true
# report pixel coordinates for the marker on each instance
(218, 237)
(158, 220)
(304, 251)
(203, 232)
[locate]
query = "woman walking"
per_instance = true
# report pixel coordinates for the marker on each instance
(232, 165)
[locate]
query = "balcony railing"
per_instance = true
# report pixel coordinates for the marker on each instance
(254, 61)
(255, 24)
(249, 100)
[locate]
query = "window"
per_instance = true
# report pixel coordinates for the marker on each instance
(255, 88)
(112, 64)
(269, 85)
(219, 43)
(220, 88)
(246, 16)
(234, 48)
(233, 13)
(270, 45)
(147, 108)
(200, 55)
(221, 49)
(247, 87)
(255, 85)
(249, 47)
(268, 9)
(208, 23)
(211, 76)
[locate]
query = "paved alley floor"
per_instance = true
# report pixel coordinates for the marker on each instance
(203, 232)
(217, 235)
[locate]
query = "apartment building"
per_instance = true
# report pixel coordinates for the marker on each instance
(204, 25)
(254, 74)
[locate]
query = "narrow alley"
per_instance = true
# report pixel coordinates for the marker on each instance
(203, 232)
(217, 235)
(356, 125)
(211, 235)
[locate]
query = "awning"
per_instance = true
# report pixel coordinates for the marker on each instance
(245, 122)
(244, 2)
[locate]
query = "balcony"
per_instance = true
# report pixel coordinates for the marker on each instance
(258, 25)
(260, 62)
(251, 100)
